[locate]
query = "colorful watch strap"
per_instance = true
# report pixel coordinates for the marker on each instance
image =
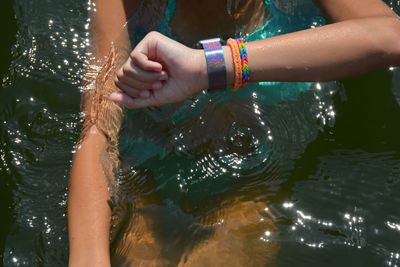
(217, 78)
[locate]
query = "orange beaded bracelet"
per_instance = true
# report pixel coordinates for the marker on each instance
(237, 63)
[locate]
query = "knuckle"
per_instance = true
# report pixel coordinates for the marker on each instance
(136, 94)
(151, 77)
(133, 52)
(153, 34)
(120, 73)
(156, 103)
(125, 69)
(130, 103)
(132, 92)
(134, 56)
(118, 84)
(143, 86)
(148, 81)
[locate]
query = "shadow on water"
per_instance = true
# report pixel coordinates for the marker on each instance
(6, 198)
(367, 118)
(7, 34)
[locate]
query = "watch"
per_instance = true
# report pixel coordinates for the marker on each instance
(216, 69)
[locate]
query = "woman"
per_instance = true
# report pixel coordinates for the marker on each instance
(292, 57)
(365, 37)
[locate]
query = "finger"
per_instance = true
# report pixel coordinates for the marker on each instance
(130, 69)
(134, 71)
(122, 99)
(132, 103)
(143, 62)
(139, 85)
(131, 91)
(144, 103)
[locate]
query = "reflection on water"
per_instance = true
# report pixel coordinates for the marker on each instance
(234, 150)
(227, 141)
(307, 180)
(352, 206)
(39, 107)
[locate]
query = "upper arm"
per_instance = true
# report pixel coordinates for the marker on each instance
(339, 10)
(109, 18)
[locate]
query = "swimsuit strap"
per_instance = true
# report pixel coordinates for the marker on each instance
(169, 13)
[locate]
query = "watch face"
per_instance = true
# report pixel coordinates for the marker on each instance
(206, 43)
(210, 41)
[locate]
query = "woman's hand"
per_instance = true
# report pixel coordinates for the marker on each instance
(160, 71)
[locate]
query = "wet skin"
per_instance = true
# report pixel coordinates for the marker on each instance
(102, 122)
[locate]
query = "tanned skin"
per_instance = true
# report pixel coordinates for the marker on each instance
(291, 57)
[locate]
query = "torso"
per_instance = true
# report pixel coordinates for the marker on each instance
(189, 21)
(194, 19)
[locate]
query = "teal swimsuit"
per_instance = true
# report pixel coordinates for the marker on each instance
(190, 169)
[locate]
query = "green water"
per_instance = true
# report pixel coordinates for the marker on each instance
(334, 196)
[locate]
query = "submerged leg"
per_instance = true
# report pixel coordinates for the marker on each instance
(163, 235)
(157, 235)
(241, 238)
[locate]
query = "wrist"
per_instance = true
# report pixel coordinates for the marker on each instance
(229, 65)
(88, 263)
(202, 74)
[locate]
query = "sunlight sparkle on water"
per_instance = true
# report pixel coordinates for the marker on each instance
(306, 217)
(288, 205)
(393, 226)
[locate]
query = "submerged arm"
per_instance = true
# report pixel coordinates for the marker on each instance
(88, 213)
(88, 208)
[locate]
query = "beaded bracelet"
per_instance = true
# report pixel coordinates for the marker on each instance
(237, 63)
(245, 62)
(216, 69)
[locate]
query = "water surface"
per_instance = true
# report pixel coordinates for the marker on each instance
(326, 162)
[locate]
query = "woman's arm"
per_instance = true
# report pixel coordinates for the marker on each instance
(332, 52)
(88, 212)
(365, 36)
(88, 208)
(340, 10)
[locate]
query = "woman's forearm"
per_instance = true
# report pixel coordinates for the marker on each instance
(88, 210)
(365, 35)
(326, 53)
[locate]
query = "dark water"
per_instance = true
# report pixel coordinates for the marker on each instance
(333, 162)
